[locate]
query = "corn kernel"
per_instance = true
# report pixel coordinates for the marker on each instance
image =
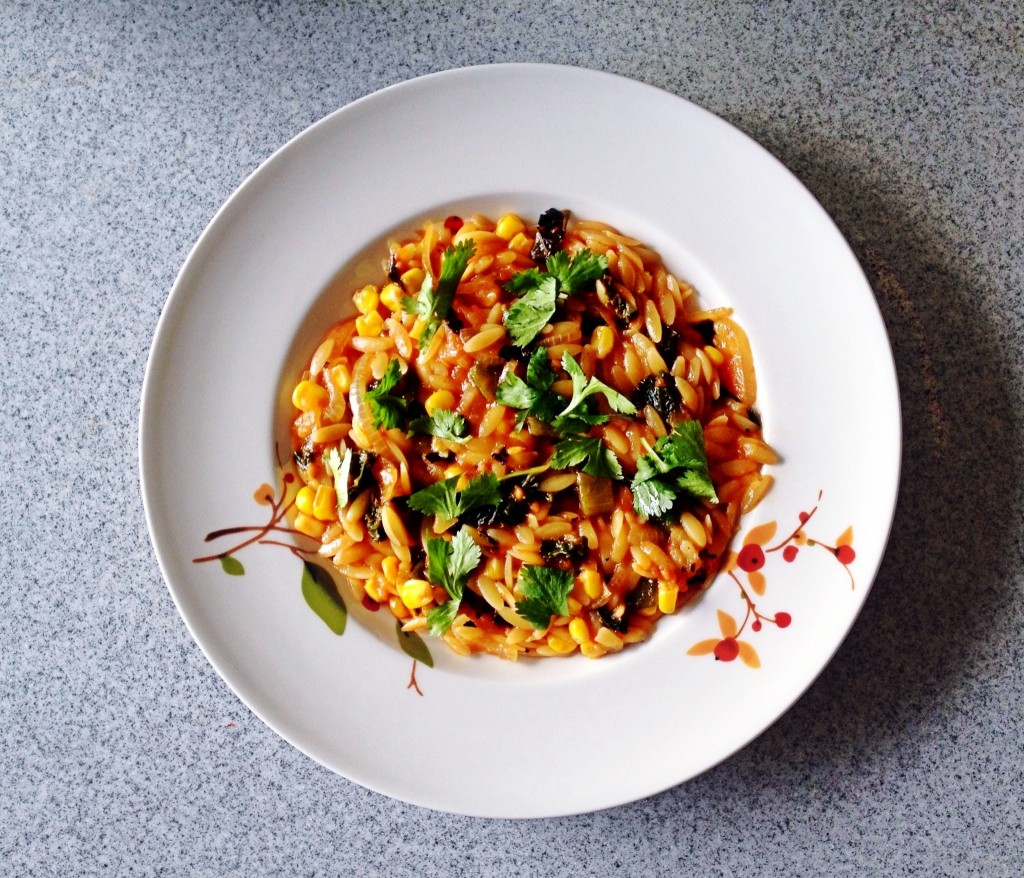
(579, 631)
(369, 325)
(415, 593)
(509, 226)
(592, 584)
(439, 399)
(391, 297)
(412, 280)
(325, 503)
(453, 471)
(341, 377)
(495, 569)
(521, 244)
(574, 606)
(373, 591)
(366, 299)
(309, 526)
(309, 396)
(667, 594)
(592, 650)
(304, 500)
(602, 340)
(560, 645)
(389, 567)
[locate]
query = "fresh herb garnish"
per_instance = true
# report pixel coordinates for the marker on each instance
(541, 292)
(443, 424)
(676, 468)
(574, 416)
(387, 409)
(545, 592)
(443, 500)
(434, 304)
(533, 396)
(449, 563)
(596, 457)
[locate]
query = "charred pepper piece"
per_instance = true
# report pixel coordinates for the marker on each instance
(550, 234)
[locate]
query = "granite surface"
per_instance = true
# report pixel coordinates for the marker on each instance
(123, 126)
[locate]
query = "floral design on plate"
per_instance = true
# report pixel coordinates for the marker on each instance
(748, 564)
(319, 589)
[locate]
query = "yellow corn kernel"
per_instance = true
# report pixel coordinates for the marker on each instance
(325, 503)
(521, 244)
(369, 325)
(592, 650)
(509, 226)
(439, 399)
(415, 593)
(391, 297)
(304, 500)
(592, 584)
(366, 299)
(373, 591)
(574, 606)
(495, 569)
(389, 567)
(561, 645)
(341, 377)
(309, 396)
(602, 340)
(309, 526)
(579, 631)
(667, 594)
(412, 280)
(453, 471)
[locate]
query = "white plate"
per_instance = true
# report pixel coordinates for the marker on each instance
(272, 272)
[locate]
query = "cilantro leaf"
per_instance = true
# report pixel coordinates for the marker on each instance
(545, 592)
(524, 281)
(577, 416)
(584, 268)
(388, 410)
(443, 500)
(449, 563)
(596, 457)
(531, 397)
(675, 469)
(528, 316)
(434, 304)
(440, 618)
(442, 423)
(541, 292)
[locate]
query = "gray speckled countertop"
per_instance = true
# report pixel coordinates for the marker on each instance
(123, 126)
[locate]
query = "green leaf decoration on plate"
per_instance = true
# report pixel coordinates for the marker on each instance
(322, 596)
(232, 566)
(413, 646)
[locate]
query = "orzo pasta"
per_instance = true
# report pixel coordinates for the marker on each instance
(530, 440)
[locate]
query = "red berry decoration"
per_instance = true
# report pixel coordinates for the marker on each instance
(370, 603)
(845, 554)
(789, 553)
(756, 625)
(783, 619)
(727, 649)
(751, 558)
(453, 224)
(803, 517)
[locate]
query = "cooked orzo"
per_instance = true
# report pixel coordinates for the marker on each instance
(530, 440)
